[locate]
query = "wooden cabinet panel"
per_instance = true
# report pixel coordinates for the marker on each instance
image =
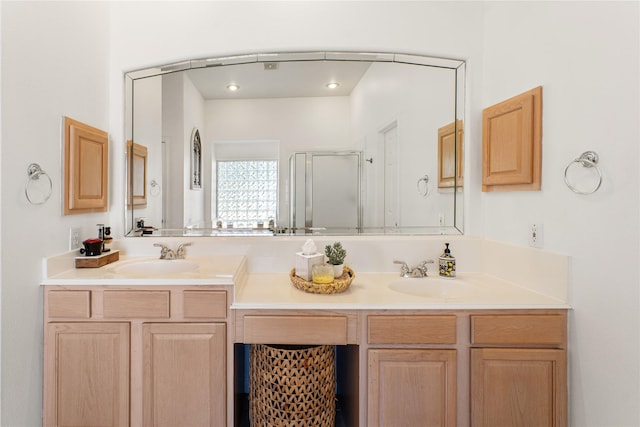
(205, 304)
(85, 168)
(136, 304)
(86, 375)
(518, 387)
(412, 387)
(184, 374)
(415, 329)
(295, 329)
(450, 158)
(69, 304)
(512, 143)
(520, 329)
(137, 174)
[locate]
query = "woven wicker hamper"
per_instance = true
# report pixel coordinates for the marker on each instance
(292, 386)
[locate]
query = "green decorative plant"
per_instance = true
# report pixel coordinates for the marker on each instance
(335, 253)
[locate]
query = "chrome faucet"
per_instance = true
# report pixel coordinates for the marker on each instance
(419, 270)
(166, 253)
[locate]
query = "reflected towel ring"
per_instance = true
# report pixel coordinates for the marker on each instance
(34, 171)
(155, 188)
(423, 186)
(588, 159)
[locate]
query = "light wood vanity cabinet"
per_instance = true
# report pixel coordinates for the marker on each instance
(411, 385)
(479, 368)
(184, 374)
(139, 356)
(164, 356)
(86, 374)
(519, 370)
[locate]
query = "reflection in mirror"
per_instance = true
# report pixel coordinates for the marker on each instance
(450, 155)
(324, 143)
(137, 173)
(325, 192)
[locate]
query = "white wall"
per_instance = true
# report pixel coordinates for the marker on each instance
(172, 135)
(418, 101)
(193, 116)
(182, 112)
(585, 55)
(147, 107)
(299, 124)
(55, 62)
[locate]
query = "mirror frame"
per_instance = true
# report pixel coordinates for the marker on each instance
(456, 65)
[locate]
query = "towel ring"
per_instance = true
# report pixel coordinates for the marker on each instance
(588, 159)
(155, 188)
(34, 171)
(423, 190)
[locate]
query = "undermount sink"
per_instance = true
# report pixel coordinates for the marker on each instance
(433, 287)
(157, 267)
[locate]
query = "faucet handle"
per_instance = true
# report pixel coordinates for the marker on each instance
(164, 250)
(421, 269)
(404, 268)
(180, 252)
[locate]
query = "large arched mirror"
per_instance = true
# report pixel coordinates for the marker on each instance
(298, 143)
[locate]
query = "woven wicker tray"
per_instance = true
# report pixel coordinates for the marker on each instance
(338, 285)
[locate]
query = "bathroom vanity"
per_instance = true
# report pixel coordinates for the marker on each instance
(128, 345)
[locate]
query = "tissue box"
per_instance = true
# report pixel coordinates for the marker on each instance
(305, 262)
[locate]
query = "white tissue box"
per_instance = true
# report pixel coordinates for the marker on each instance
(305, 262)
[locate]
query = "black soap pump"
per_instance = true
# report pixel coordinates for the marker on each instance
(447, 264)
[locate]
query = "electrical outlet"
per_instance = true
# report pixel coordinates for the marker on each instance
(535, 235)
(74, 238)
(441, 219)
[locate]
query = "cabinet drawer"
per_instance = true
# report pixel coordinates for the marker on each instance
(199, 304)
(541, 329)
(136, 304)
(412, 329)
(70, 304)
(295, 330)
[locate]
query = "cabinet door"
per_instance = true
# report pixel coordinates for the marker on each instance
(518, 387)
(412, 387)
(86, 375)
(184, 375)
(86, 168)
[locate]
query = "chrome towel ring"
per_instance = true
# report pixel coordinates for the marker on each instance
(588, 159)
(155, 188)
(423, 186)
(31, 189)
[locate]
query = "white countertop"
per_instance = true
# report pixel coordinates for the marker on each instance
(269, 290)
(371, 291)
(218, 270)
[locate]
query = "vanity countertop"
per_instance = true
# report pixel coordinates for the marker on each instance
(218, 270)
(373, 291)
(268, 290)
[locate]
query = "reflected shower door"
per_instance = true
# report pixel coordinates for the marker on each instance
(330, 187)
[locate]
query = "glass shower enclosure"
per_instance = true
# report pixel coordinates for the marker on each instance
(325, 192)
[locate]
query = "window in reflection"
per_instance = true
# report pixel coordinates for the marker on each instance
(247, 192)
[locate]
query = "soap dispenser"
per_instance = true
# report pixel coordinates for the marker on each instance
(447, 264)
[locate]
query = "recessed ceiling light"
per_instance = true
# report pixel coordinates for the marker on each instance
(332, 85)
(233, 87)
